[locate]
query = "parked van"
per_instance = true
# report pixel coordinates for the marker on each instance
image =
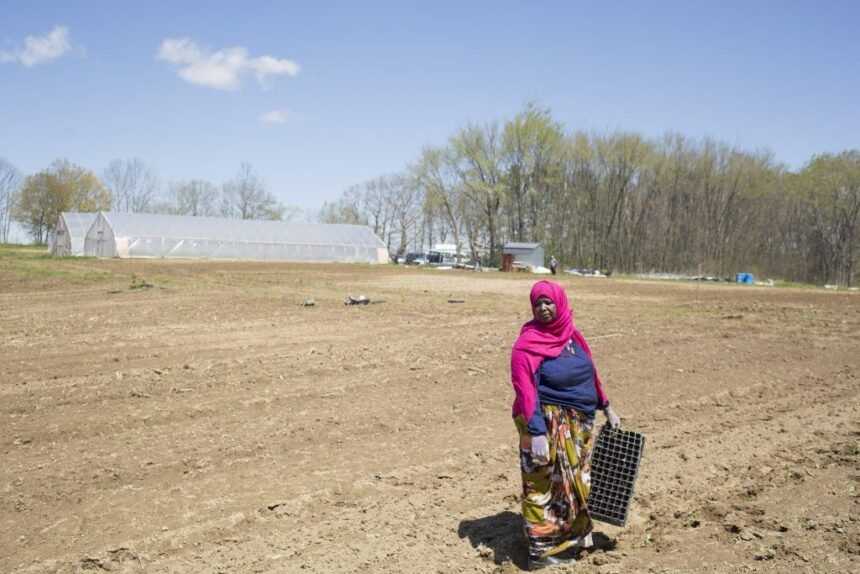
(441, 258)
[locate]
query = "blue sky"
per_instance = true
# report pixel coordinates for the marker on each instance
(318, 96)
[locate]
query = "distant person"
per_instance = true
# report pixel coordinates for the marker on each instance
(557, 394)
(553, 264)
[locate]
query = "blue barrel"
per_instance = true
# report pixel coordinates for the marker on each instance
(744, 278)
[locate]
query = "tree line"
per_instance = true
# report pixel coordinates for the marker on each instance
(126, 185)
(618, 201)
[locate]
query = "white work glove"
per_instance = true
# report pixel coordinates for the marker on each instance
(612, 419)
(540, 449)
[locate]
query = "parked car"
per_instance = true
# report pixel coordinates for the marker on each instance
(416, 259)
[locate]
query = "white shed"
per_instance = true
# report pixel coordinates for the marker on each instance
(527, 254)
(70, 232)
(128, 235)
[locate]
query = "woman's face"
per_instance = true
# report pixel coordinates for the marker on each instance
(545, 310)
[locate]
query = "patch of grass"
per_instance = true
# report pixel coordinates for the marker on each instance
(42, 271)
(139, 283)
(692, 521)
(34, 262)
(13, 251)
(794, 285)
(792, 474)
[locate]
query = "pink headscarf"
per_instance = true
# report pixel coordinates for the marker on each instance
(539, 341)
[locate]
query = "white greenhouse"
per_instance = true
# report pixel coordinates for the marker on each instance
(68, 237)
(129, 235)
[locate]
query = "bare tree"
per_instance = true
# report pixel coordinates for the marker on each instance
(132, 183)
(406, 202)
(375, 202)
(830, 187)
(295, 213)
(436, 172)
(347, 209)
(196, 197)
(245, 197)
(619, 158)
(10, 184)
(674, 180)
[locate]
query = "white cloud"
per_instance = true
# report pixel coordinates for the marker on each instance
(224, 69)
(274, 117)
(39, 50)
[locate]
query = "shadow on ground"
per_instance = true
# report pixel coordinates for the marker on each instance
(500, 538)
(501, 534)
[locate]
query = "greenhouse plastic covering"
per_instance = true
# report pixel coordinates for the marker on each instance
(71, 230)
(179, 236)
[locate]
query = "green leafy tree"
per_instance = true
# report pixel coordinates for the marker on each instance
(532, 147)
(623, 201)
(478, 162)
(61, 187)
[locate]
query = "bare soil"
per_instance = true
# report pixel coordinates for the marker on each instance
(196, 417)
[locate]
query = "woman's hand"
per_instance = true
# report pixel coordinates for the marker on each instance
(540, 449)
(612, 419)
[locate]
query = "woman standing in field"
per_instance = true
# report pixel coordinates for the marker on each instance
(557, 393)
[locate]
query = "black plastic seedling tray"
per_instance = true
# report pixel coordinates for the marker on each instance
(614, 467)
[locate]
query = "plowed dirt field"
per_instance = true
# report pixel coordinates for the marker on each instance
(195, 417)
